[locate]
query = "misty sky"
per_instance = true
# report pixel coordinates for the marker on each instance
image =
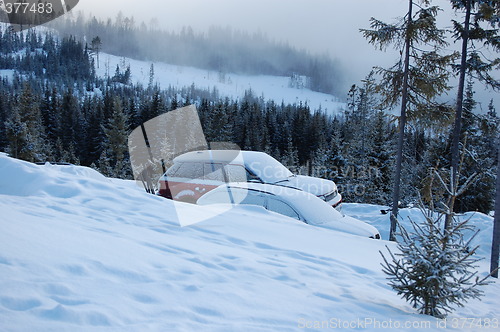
(319, 26)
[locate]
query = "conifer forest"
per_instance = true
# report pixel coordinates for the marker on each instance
(56, 108)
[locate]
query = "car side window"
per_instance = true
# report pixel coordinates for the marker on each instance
(213, 172)
(172, 170)
(236, 173)
(280, 207)
(189, 171)
(254, 198)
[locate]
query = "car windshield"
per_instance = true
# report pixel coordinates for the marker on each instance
(268, 169)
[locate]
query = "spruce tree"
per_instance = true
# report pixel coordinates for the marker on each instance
(115, 146)
(479, 27)
(95, 48)
(50, 111)
(319, 159)
(72, 121)
(17, 135)
(380, 160)
(95, 132)
(434, 268)
(3, 119)
(24, 129)
(495, 245)
(480, 132)
(417, 77)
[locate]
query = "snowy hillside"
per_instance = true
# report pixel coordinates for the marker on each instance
(81, 252)
(275, 88)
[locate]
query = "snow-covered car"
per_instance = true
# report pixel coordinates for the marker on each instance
(196, 173)
(290, 202)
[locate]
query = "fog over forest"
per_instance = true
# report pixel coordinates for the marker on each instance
(221, 49)
(319, 27)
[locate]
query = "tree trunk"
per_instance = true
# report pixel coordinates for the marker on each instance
(495, 248)
(402, 124)
(457, 128)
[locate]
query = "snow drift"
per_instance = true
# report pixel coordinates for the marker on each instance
(79, 251)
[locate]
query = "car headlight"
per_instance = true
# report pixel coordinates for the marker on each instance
(330, 196)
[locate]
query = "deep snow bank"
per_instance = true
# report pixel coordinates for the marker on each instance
(82, 252)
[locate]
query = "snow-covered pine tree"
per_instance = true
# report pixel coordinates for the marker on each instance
(151, 77)
(380, 160)
(73, 123)
(133, 114)
(104, 165)
(477, 31)
(24, 128)
(115, 146)
(3, 118)
(360, 109)
(335, 161)
(16, 133)
(360, 114)
(418, 76)
(68, 155)
(221, 123)
(434, 268)
(291, 156)
(95, 48)
(481, 131)
(495, 245)
(50, 111)
(152, 108)
(319, 158)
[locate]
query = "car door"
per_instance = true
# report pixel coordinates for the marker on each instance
(238, 173)
(278, 206)
(254, 198)
(213, 176)
(183, 182)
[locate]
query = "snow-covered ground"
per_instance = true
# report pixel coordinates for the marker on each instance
(228, 85)
(81, 252)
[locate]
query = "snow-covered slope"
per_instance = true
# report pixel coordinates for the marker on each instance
(228, 85)
(81, 252)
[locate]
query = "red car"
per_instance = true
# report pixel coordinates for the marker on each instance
(196, 173)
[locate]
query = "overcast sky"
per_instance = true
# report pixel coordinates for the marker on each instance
(319, 26)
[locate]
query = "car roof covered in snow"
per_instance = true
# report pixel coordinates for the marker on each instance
(264, 166)
(223, 156)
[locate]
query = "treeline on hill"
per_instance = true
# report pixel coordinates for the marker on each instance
(65, 113)
(220, 49)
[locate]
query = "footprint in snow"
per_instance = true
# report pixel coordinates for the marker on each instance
(19, 304)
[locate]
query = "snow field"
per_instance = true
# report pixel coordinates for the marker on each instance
(82, 252)
(229, 85)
